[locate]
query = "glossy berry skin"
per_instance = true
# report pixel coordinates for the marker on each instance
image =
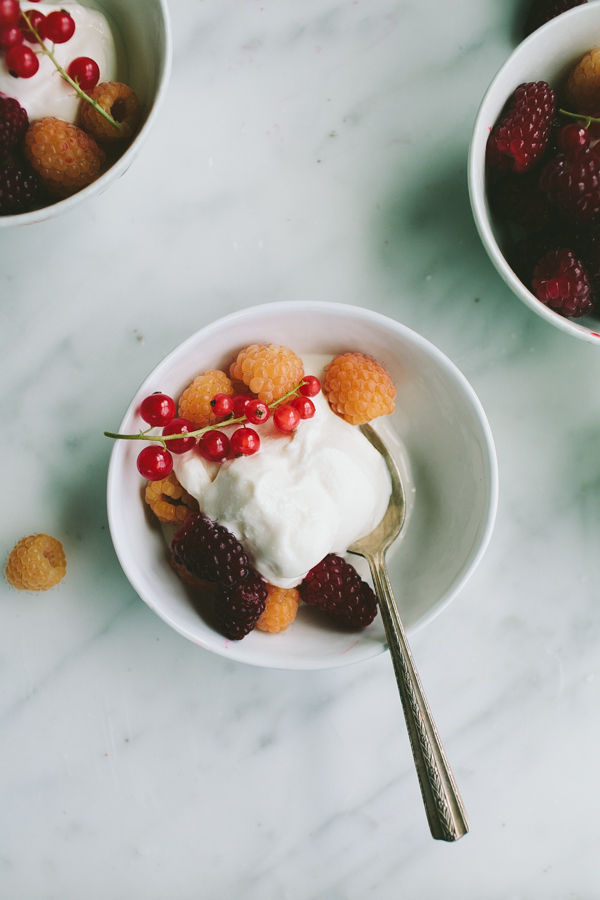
(158, 410)
(154, 463)
(19, 190)
(561, 282)
(37, 20)
(336, 588)
(244, 442)
(85, 71)
(59, 26)
(572, 183)
(9, 37)
(214, 446)
(9, 13)
(519, 140)
(180, 426)
(256, 412)
(305, 407)
(222, 405)
(311, 386)
(22, 61)
(573, 137)
(286, 418)
(240, 402)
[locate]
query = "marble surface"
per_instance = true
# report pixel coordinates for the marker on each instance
(305, 150)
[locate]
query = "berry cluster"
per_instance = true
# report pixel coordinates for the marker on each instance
(544, 182)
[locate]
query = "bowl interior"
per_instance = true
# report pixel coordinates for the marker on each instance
(142, 34)
(441, 424)
(548, 54)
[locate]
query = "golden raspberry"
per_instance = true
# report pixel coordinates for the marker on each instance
(37, 563)
(268, 371)
(64, 157)
(583, 85)
(358, 388)
(120, 102)
(194, 403)
(169, 501)
(280, 610)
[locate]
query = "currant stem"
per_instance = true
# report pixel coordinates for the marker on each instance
(74, 85)
(588, 119)
(162, 438)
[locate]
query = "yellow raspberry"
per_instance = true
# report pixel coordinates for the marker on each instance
(120, 102)
(194, 403)
(37, 563)
(280, 610)
(169, 501)
(583, 85)
(63, 156)
(358, 388)
(268, 371)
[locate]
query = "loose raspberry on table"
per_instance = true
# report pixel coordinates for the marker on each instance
(572, 183)
(168, 500)
(120, 102)
(583, 84)
(19, 190)
(13, 124)
(280, 609)
(335, 587)
(239, 607)
(358, 388)
(561, 282)
(64, 157)
(209, 551)
(268, 371)
(541, 11)
(36, 563)
(194, 403)
(518, 141)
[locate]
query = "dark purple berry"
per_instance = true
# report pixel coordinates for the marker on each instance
(561, 282)
(209, 551)
(572, 183)
(19, 190)
(541, 11)
(239, 607)
(519, 139)
(14, 122)
(335, 587)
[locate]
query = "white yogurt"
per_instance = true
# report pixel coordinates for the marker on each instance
(47, 93)
(297, 499)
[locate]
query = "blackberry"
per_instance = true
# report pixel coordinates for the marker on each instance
(239, 607)
(13, 124)
(335, 587)
(19, 190)
(572, 183)
(209, 551)
(541, 11)
(561, 282)
(519, 139)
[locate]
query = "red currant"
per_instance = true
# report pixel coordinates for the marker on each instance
(244, 442)
(10, 36)
(222, 405)
(158, 409)
(286, 418)
(85, 72)
(9, 13)
(180, 426)
(60, 26)
(240, 402)
(154, 463)
(257, 412)
(22, 61)
(214, 446)
(37, 20)
(311, 386)
(305, 407)
(572, 137)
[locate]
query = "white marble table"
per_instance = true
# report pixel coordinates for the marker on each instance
(306, 150)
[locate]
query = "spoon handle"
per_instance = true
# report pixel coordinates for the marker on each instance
(445, 811)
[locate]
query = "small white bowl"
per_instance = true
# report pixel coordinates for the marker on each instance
(143, 37)
(549, 54)
(445, 432)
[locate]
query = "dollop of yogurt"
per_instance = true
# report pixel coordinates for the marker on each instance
(47, 93)
(299, 498)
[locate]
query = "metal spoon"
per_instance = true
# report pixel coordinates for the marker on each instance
(443, 805)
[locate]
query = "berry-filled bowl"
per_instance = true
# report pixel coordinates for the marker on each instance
(534, 172)
(308, 472)
(81, 84)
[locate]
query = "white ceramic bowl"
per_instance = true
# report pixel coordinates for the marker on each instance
(549, 54)
(143, 35)
(452, 457)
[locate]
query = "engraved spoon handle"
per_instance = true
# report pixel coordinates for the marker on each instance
(445, 812)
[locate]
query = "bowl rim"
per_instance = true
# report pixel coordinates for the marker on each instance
(45, 213)
(450, 369)
(476, 179)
